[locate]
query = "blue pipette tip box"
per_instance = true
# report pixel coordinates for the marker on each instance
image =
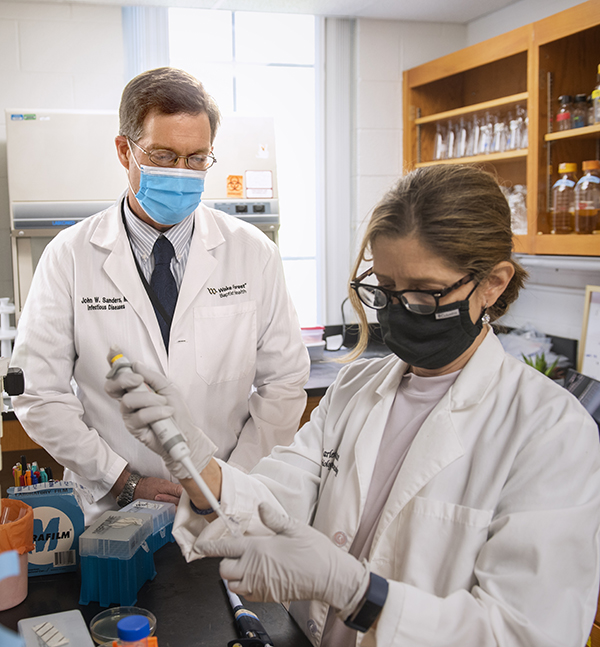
(163, 516)
(116, 559)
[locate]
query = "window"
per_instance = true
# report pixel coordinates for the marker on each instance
(264, 64)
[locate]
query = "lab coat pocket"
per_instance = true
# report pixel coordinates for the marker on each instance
(225, 341)
(437, 544)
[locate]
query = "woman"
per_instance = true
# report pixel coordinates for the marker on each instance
(446, 494)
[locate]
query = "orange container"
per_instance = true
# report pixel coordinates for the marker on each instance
(16, 533)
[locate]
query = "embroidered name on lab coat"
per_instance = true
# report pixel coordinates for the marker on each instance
(228, 290)
(104, 303)
(329, 459)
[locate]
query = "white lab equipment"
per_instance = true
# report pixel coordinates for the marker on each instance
(7, 332)
(173, 441)
(243, 183)
(62, 167)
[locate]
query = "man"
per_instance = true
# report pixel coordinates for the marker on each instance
(197, 294)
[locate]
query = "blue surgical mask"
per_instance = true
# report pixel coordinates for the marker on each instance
(169, 195)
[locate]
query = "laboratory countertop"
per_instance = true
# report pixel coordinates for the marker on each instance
(188, 600)
(324, 370)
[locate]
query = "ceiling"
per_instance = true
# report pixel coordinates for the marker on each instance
(456, 11)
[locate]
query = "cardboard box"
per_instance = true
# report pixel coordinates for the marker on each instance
(58, 522)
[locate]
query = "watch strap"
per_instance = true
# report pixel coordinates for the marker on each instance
(197, 510)
(128, 491)
(370, 606)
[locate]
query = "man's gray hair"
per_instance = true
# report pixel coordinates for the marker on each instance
(168, 91)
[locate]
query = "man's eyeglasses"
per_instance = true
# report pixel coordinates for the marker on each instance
(166, 158)
(421, 302)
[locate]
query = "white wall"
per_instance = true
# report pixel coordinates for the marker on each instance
(54, 56)
(384, 49)
(515, 15)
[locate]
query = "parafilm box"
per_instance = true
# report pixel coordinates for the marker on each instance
(57, 523)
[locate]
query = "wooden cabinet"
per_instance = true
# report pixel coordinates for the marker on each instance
(528, 67)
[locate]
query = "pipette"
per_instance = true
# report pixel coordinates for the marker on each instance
(173, 441)
(250, 628)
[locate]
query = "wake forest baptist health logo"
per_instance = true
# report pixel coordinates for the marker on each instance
(228, 290)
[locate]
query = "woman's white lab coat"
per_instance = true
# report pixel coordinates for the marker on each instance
(236, 351)
(490, 534)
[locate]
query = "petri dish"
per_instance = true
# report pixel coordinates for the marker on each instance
(103, 627)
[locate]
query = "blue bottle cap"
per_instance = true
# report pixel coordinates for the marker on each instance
(133, 628)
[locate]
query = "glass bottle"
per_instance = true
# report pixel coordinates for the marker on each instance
(563, 118)
(579, 114)
(596, 98)
(563, 199)
(514, 136)
(450, 141)
(461, 139)
(517, 202)
(134, 631)
(473, 141)
(486, 135)
(587, 198)
(590, 111)
(499, 136)
(524, 127)
(439, 145)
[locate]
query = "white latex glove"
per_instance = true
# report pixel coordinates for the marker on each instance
(140, 409)
(297, 563)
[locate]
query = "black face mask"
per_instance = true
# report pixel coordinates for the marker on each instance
(429, 341)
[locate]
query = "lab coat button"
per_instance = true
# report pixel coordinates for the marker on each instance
(340, 538)
(312, 627)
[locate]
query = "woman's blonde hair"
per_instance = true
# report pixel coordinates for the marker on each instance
(459, 214)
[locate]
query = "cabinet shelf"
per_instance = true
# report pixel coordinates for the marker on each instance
(479, 159)
(529, 66)
(587, 132)
(476, 107)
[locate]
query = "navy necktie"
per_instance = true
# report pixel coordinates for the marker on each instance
(163, 284)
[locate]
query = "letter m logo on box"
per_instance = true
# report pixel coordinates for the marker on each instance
(49, 534)
(52, 531)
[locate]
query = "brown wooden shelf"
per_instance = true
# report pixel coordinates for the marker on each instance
(587, 132)
(476, 107)
(569, 244)
(479, 159)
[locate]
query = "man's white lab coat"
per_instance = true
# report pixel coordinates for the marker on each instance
(236, 351)
(490, 534)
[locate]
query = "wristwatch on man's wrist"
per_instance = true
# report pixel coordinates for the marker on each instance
(370, 606)
(126, 496)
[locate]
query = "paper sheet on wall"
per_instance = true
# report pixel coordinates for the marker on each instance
(591, 355)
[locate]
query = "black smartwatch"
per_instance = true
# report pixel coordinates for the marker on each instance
(370, 606)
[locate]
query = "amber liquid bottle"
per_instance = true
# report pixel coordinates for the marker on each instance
(563, 200)
(587, 198)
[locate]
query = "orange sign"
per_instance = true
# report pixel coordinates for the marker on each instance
(235, 186)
